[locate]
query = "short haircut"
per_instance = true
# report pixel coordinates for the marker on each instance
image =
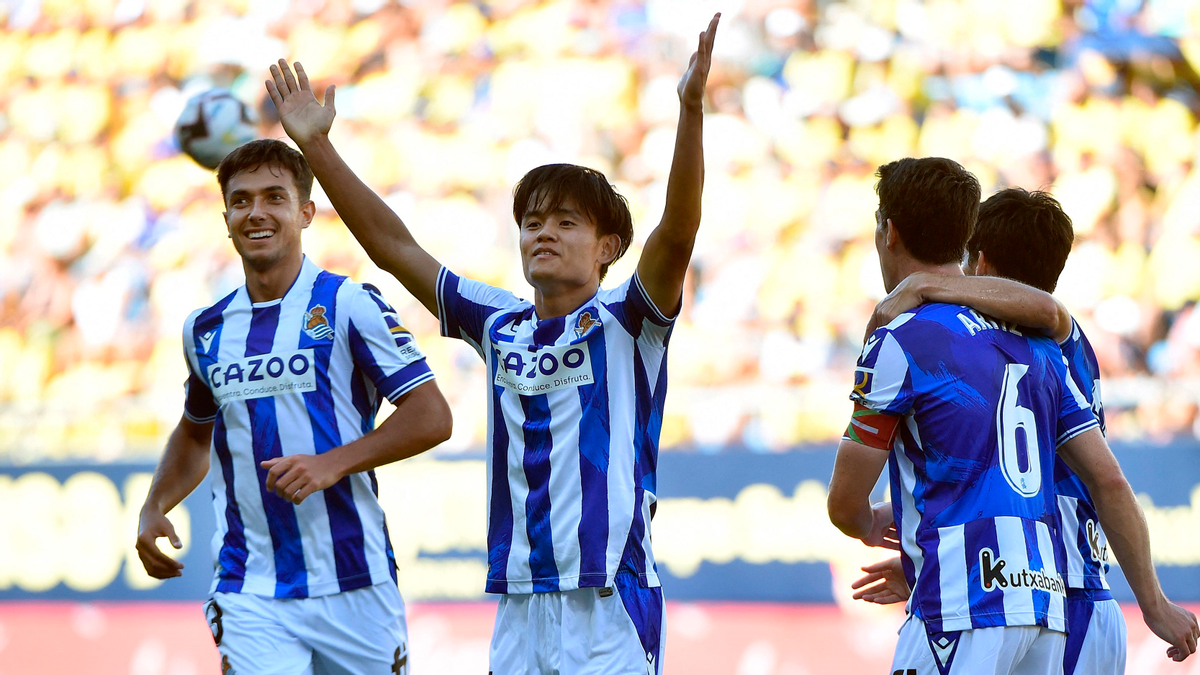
(545, 188)
(932, 202)
(1025, 235)
(270, 152)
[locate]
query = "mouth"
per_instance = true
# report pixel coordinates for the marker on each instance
(260, 234)
(543, 253)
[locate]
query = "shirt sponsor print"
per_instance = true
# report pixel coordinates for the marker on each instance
(263, 375)
(532, 372)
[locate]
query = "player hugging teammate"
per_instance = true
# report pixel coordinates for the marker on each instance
(1000, 474)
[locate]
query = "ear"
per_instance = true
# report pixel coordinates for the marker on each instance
(307, 212)
(891, 235)
(984, 267)
(228, 227)
(610, 245)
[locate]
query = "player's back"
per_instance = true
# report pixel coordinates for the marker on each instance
(984, 409)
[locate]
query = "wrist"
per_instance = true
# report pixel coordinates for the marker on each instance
(315, 142)
(689, 108)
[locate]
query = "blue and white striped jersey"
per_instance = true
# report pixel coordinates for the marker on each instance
(575, 408)
(984, 409)
(1086, 545)
(299, 375)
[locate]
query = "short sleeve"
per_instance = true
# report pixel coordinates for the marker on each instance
(1074, 414)
(637, 313)
(198, 403)
(881, 378)
(464, 306)
(382, 347)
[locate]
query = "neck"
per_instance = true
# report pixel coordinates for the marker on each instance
(909, 266)
(270, 284)
(562, 303)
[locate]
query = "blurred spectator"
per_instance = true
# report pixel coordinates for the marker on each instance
(109, 237)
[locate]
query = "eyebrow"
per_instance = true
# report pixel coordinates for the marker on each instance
(542, 214)
(243, 191)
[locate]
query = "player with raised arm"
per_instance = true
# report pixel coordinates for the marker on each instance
(1026, 237)
(286, 375)
(969, 410)
(577, 380)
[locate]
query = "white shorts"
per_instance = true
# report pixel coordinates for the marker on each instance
(359, 631)
(1096, 642)
(605, 631)
(1000, 650)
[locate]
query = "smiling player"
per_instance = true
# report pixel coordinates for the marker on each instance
(285, 377)
(577, 380)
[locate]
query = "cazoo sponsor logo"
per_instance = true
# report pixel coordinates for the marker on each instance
(992, 576)
(265, 375)
(547, 369)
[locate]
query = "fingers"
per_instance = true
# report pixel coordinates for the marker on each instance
(275, 469)
(277, 77)
(329, 92)
(288, 78)
(157, 564)
(273, 91)
(709, 36)
(870, 578)
(302, 77)
(881, 566)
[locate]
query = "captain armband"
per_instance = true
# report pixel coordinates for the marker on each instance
(872, 428)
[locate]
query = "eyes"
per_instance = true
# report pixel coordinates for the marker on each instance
(534, 224)
(243, 201)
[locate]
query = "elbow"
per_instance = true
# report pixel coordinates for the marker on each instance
(844, 515)
(441, 426)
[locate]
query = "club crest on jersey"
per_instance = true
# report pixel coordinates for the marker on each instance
(585, 323)
(316, 326)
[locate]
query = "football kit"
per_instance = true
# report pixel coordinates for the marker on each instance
(1096, 641)
(574, 410)
(978, 411)
(299, 375)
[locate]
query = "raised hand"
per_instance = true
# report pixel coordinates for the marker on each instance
(888, 584)
(303, 118)
(691, 86)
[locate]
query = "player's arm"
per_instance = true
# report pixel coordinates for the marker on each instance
(420, 421)
(1002, 298)
(668, 250)
(855, 472)
(1125, 525)
(183, 465)
(376, 227)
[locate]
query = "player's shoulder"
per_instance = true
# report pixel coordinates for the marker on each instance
(214, 313)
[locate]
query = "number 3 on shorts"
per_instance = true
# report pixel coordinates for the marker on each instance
(1016, 430)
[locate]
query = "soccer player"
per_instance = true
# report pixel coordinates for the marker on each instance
(286, 375)
(970, 411)
(577, 380)
(1026, 237)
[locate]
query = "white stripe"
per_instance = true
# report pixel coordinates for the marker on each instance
(622, 419)
(220, 503)
(1057, 611)
(910, 518)
(565, 490)
(648, 498)
(891, 367)
(1076, 430)
(518, 573)
(1070, 532)
(1018, 602)
(953, 578)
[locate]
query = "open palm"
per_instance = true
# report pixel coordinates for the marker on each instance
(691, 86)
(302, 116)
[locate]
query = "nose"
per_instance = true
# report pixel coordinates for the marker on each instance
(257, 211)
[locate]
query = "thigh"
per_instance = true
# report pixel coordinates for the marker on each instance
(1097, 641)
(360, 631)
(252, 639)
(1044, 656)
(513, 642)
(617, 630)
(981, 651)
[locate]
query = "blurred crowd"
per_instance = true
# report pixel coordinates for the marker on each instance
(109, 236)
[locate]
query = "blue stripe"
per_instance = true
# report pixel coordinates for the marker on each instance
(387, 538)
(345, 525)
(594, 442)
(645, 609)
(500, 513)
(361, 399)
(1079, 620)
(231, 559)
(291, 575)
(387, 385)
(645, 459)
(536, 462)
(1041, 599)
(987, 607)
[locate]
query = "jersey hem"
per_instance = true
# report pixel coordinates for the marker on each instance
(998, 620)
(371, 577)
(199, 420)
(659, 317)
(574, 583)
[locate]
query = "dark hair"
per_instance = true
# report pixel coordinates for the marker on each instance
(1025, 235)
(547, 187)
(932, 202)
(270, 152)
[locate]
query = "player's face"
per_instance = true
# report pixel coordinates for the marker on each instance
(264, 215)
(562, 249)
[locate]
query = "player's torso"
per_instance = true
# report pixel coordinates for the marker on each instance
(974, 465)
(1087, 557)
(574, 410)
